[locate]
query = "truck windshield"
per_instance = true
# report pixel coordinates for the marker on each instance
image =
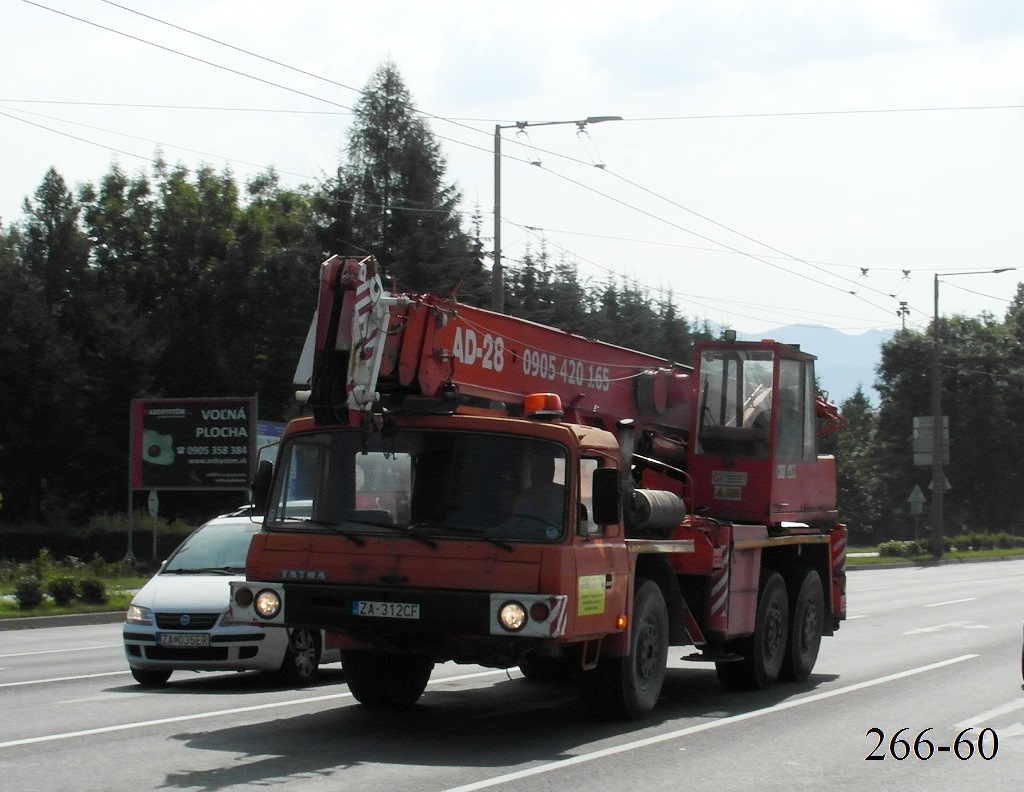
(433, 484)
(736, 388)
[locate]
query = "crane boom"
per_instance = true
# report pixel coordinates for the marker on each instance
(430, 347)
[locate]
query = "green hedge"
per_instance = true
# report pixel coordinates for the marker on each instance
(973, 541)
(106, 536)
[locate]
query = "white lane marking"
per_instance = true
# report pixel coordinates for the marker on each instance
(957, 625)
(950, 602)
(858, 616)
(215, 714)
(61, 651)
(675, 735)
(993, 713)
(60, 679)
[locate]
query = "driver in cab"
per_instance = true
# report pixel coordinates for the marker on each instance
(534, 502)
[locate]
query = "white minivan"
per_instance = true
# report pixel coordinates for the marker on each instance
(177, 620)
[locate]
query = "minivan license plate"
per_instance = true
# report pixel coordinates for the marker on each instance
(386, 610)
(189, 640)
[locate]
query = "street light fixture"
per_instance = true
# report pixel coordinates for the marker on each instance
(938, 435)
(497, 276)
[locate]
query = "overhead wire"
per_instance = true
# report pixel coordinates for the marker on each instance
(157, 106)
(786, 312)
(227, 159)
(978, 293)
(726, 247)
(136, 137)
(274, 62)
(797, 113)
(706, 238)
(707, 219)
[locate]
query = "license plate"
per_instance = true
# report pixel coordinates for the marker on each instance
(386, 610)
(189, 640)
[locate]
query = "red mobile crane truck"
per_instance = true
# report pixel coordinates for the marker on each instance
(476, 488)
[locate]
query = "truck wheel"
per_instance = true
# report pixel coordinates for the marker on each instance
(805, 627)
(627, 688)
(386, 680)
(150, 678)
(302, 659)
(763, 652)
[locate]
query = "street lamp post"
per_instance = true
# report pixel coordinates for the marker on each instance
(497, 275)
(938, 435)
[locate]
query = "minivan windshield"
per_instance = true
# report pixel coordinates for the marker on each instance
(220, 546)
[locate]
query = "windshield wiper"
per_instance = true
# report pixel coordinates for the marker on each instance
(476, 533)
(338, 527)
(222, 570)
(408, 530)
(333, 527)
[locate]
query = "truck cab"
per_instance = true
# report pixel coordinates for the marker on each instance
(754, 454)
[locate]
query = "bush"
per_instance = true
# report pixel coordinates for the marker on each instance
(43, 563)
(63, 589)
(29, 592)
(94, 591)
(897, 549)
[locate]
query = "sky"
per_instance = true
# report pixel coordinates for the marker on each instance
(777, 161)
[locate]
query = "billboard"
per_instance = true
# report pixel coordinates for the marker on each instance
(192, 444)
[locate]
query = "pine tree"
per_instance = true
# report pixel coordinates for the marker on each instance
(403, 211)
(47, 337)
(857, 484)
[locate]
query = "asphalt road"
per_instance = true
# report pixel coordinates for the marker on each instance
(933, 650)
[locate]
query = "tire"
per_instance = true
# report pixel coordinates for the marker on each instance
(627, 688)
(806, 624)
(302, 658)
(150, 677)
(764, 652)
(386, 680)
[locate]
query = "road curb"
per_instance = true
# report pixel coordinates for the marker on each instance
(66, 620)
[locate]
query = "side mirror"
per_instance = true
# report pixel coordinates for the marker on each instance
(261, 486)
(606, 500)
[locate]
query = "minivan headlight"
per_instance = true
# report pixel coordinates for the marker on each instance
(139, 615)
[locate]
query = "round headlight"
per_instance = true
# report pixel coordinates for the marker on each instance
(267, 604)
(512, 616)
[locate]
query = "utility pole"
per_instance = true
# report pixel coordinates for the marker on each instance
(497, 270)
(938, 433)
(938, 446)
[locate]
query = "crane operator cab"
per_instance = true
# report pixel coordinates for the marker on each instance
(754, 451)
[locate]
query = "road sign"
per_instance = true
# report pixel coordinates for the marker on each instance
(917, 500)
(924, 439)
